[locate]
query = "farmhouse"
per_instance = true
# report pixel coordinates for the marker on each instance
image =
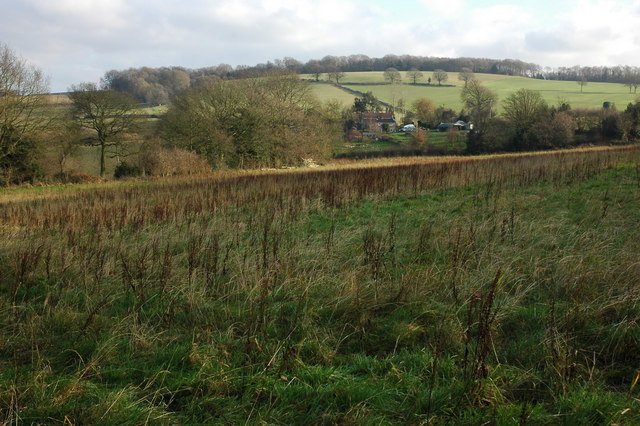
(377, 122)
(460, 125)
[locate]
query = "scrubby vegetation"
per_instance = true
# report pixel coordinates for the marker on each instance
(268, 121)
(497, 289)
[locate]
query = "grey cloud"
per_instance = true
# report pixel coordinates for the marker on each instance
(202, 33)
(540, 41)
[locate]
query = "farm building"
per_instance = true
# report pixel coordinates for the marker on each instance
(460, 125)
(377, 122)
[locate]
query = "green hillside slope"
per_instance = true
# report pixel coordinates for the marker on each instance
(592, 96)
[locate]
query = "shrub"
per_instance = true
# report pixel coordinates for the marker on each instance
(169, 162)
(354, 135)
(557, 132)
(20, 166)
(125, 169)
(418, 139)
(613, 126)
(494, 137)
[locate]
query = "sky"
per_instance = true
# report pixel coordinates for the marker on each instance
(75, 41)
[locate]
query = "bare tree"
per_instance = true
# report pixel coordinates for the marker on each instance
(267, 121)
(22, 96)
(425, 110)
(314, 68)
(107, 112)
(440, 76)
(582, 82)
(632, 81)
(392, 75)
(63, 140)
(479, 100)
(414, 75)
(466, 75)
(524, 108)
(336, 76)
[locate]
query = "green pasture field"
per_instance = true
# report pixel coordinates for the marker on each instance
(329, 93)
(88, 161)
(371, 145)
(448, 95)
(394, 143)
(435, 138)
(58, 98)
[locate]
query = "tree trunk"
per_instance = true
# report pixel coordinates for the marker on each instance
(102, 162)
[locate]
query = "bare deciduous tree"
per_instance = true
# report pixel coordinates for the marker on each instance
(107, 112)
(392, 75)
(425, 110)
(414, 75)
(582, 82)
(336, 76)
(315, 68)
(63, 141)
(524, 108)
(632, 80)
(22, 95)
(466, 75)
(440, 76)
(268, 121)
(479, 101)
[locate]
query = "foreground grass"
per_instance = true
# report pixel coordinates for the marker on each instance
(504, 290)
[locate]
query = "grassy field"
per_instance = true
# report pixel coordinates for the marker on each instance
(401, 144)
(329, 93)
(593, 95)
(437, 139)
(499, 289)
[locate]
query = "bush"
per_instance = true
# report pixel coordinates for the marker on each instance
(20, 166)
(418, 140)
(354, 135)
(613, 126)
(169, 162)
(556, 132)
(125, 169)
(493, 138)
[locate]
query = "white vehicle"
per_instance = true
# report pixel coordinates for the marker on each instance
(408, 128)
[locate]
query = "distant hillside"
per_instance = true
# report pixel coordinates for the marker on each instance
(593, 95)
(156, 85)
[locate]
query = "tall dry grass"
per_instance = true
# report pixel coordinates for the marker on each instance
(291, 192)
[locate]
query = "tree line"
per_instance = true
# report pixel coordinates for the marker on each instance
(156, 86)
(267, 121)
(623, 74)
(264, 118)
(271, 120)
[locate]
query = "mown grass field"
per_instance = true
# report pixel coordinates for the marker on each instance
(593, 95)
(330, 93)
(499, 289)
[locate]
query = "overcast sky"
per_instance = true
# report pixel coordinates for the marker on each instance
(74, 41)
